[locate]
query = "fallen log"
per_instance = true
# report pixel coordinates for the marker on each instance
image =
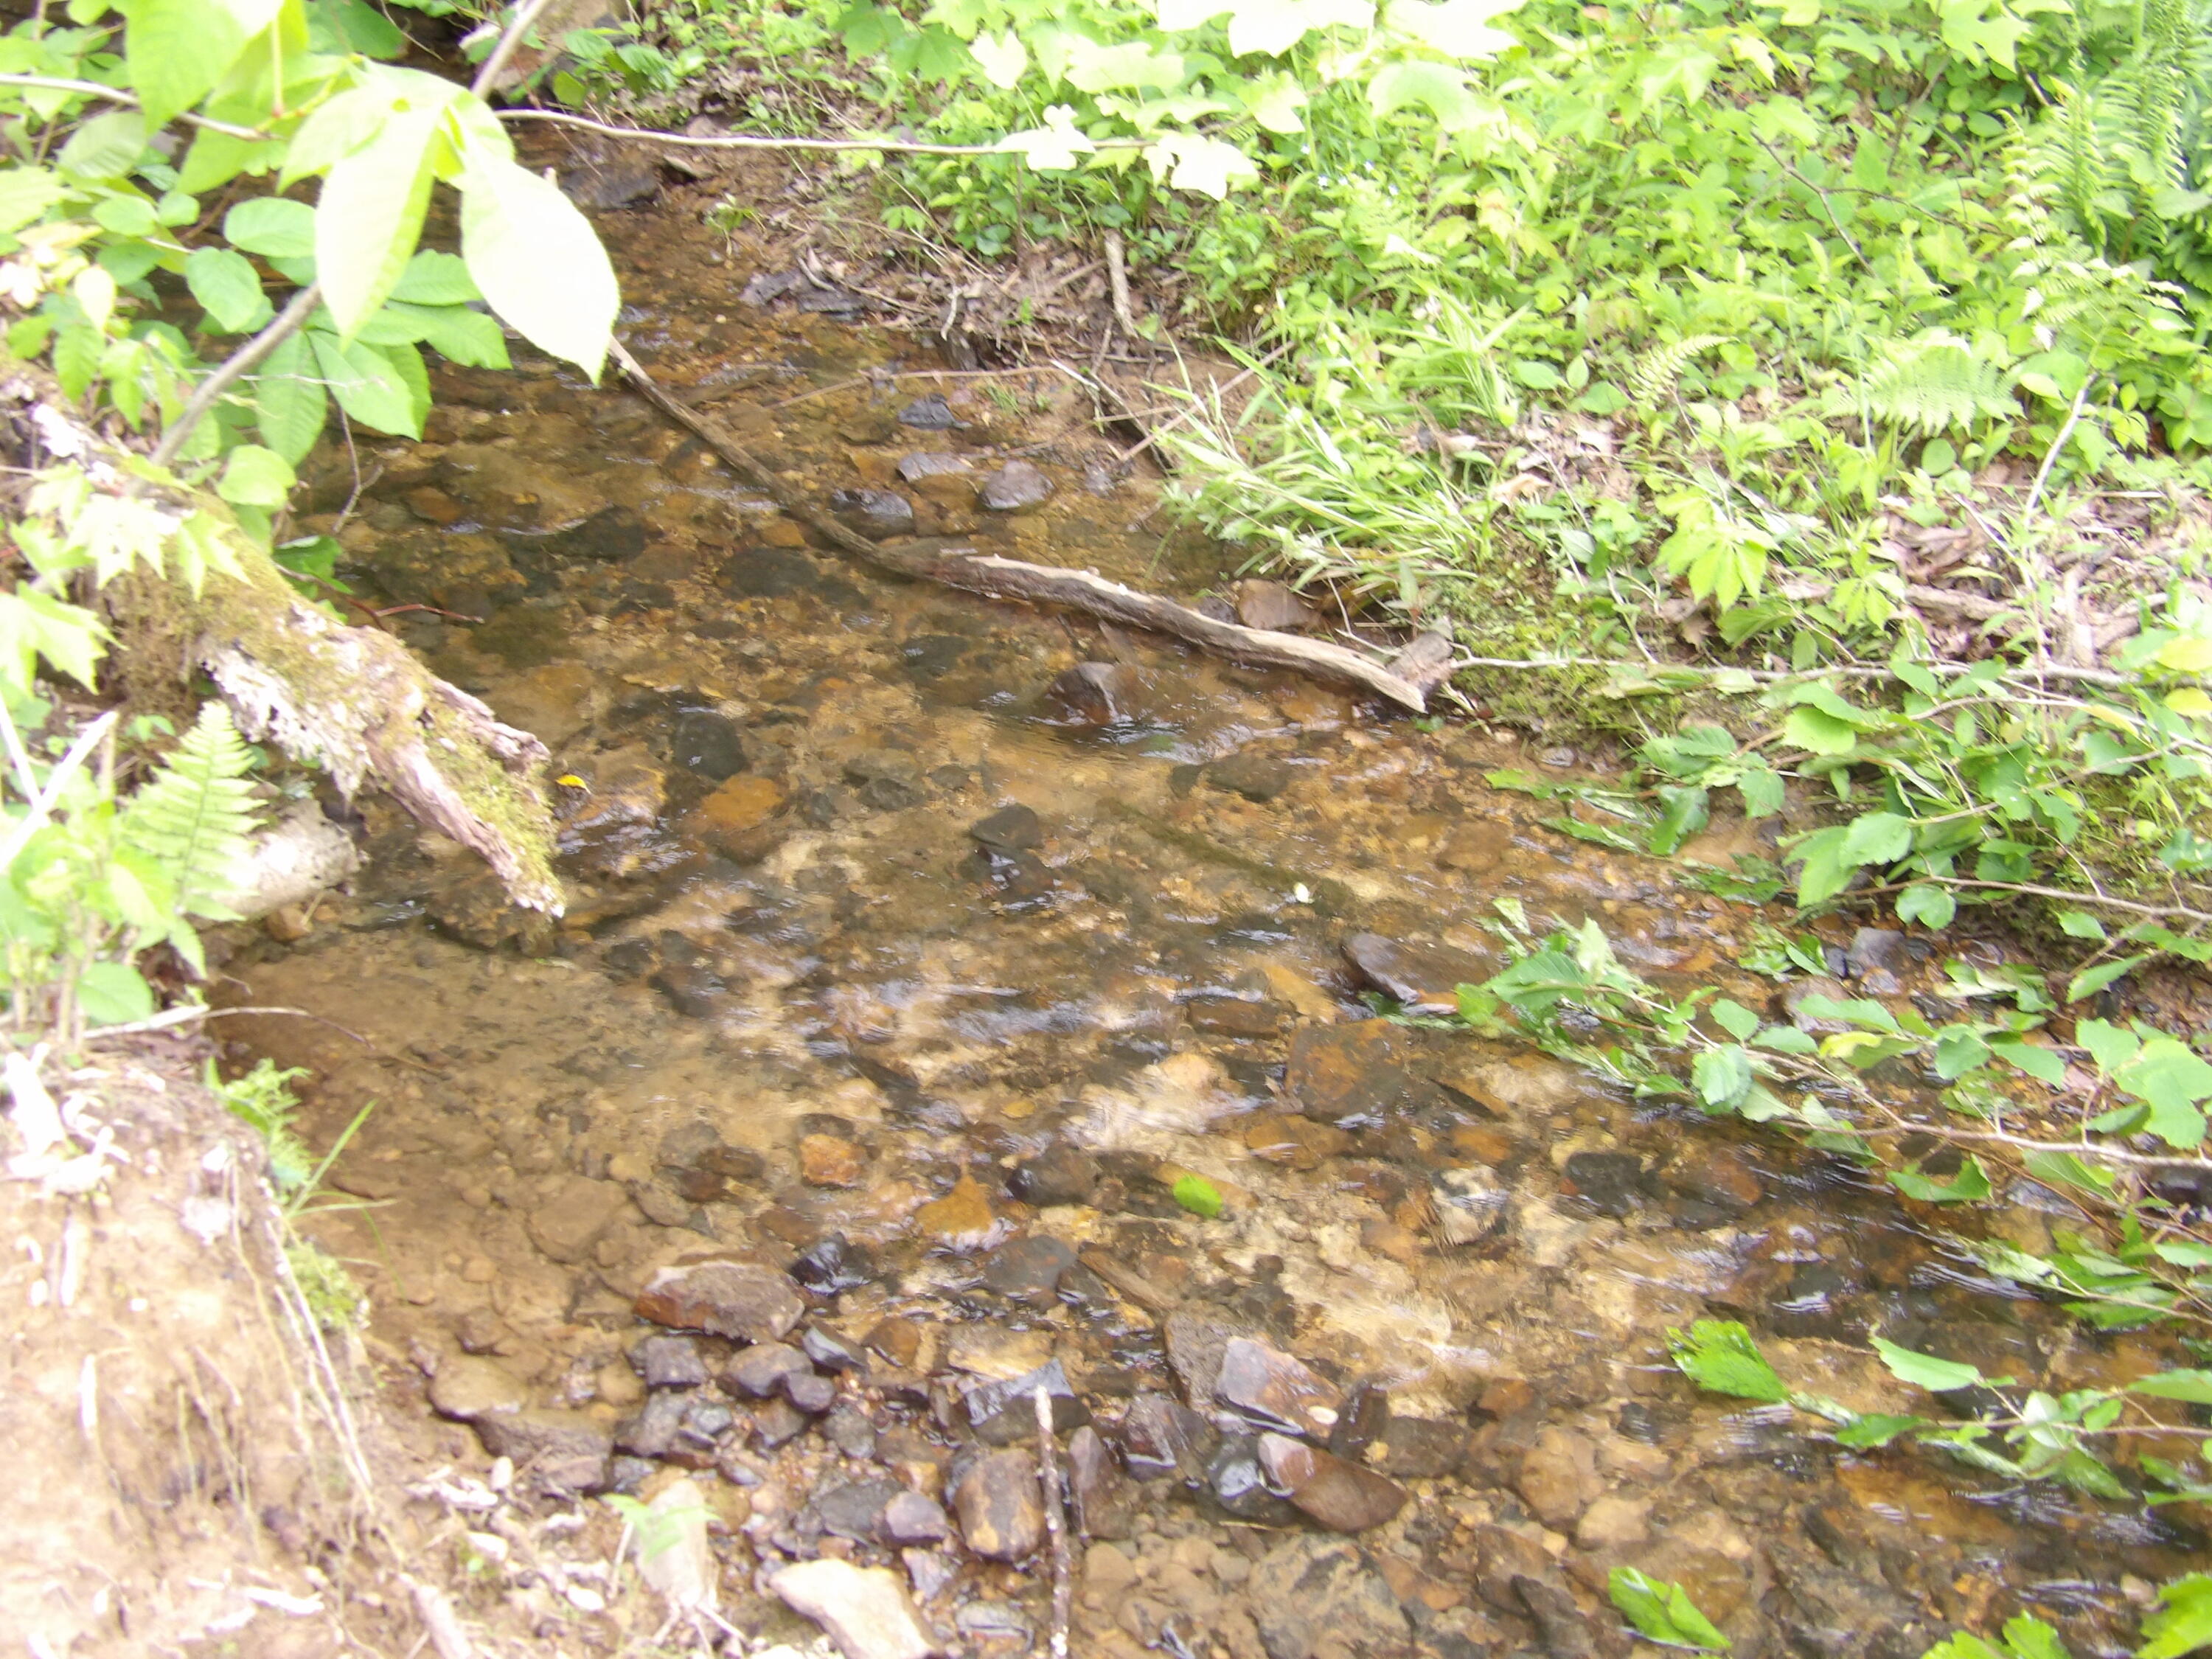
(1427, 661)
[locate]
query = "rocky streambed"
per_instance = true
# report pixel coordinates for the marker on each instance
(920, 952)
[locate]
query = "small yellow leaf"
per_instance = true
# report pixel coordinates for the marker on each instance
(2189, 700)
(2190, 655)
(95, 291)
(570, 781)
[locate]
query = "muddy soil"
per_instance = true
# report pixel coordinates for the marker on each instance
(918, 950)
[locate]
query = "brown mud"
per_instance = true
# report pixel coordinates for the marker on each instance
(917, 948)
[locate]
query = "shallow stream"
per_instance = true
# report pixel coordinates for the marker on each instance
(901, 959)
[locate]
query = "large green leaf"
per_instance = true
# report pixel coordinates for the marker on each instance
(1720, 1355)
(460, 334)
(24, 193)
(1663, 1612)
(538, 261)
(2182, 1622)
(1925, 1370)
(370, 216)
(255, 477)
(435, 279)
(177, 50)
(114, 993)
(226, 285)
(1458, 28)
(2172, 1080)
(366, 384)
(106, 146)
(272, 227)
(290, 405)
(1437, 88)
(2195, 1387)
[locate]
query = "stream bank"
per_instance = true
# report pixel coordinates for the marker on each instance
(917, 949)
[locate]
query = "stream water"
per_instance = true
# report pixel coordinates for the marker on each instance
(904, 961)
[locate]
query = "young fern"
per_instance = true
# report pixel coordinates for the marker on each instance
(1936, 384)
(194, 819)
(1659, 372)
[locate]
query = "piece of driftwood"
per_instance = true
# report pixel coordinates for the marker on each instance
(352, 700)
(1078, 590)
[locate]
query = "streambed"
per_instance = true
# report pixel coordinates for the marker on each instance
(918, 947)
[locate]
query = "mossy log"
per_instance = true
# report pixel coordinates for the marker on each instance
(352, 700)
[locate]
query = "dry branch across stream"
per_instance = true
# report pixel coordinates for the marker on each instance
(1406, 681)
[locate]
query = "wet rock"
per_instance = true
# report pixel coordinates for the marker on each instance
(911, 1518)
(856, 1510)
(1420, 1448)
(768, 573)
(1004, 1412)
(1351, 1075)
(1239, 1483)
(864, 1609)
(1339, 1494)
(849, 1431)
(1815, 986)
(429, 502)
(1298, 1141)
(1611, 1183)
(1718, 1175)
(778, 1423)
(1000, 1513)
(1061, 1174)
(1257, 778)
(570, 1219)
(826, 1160)
(1425, 979)
(669, 1362)
(707, 743)
(692, 991)
(1558, 1476)
(1363, 1421)
(874, 512)
(832, 1266)
(726, 1298)
(611, 183)
(831, 1352)
(936, 463)
(1029, 1269)
(760, 1370)
(1195, 1342)
(962, 1219)
(1873, 949)
(1014, 487)
(560, 1452)
(466, 1387)
(809, 1390)
(652, 1431)
(1105, 1504)
(1614, 1523)
(930, 414)
(713, 1173)
(611, 535)
(1163, 1436)
(1019, 878)
(897, 1338)
(1560, 1624)
(1236, 1017)
(1314, 1595)
(1274, 1391)
(1471, 1203)
(1092, 694)
(994, 1621)
(1502, 1555)
(1273, 605)
(1011, 829)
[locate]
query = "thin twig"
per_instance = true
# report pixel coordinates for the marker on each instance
(240, 363)
(749, 141)
(2050, 455)
(1117, 277)
(508, 40)
(1055, 1523)
(42, 803)
(117, 95)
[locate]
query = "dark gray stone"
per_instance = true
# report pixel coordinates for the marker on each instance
(874, 512)
(707, 743)
(759, 1371)
(1425, 979)
(848, 1430)
(563, 1453)
(1257, 778)
(911, 1518)
(1419, 1448)
(1012, 828)
(779, 1422)
(810, 1392)
(1061, 1174)
(1004, 1413)
(1163, 1437)
(855, 1510)
(833, 1265)
(1014, 487)
(1273, 1390)
(1611, 1183)
(930, 414)
(1105, 1504)
(1028, 1269)
(929, 464)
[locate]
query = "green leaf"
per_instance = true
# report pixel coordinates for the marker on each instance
(2080, 924)
(125, 216)
(1002, 57)
(1682, 813)
(1720, 1355)
(106, 146)
(2090, 980)
(196, 818)
(2111, 1047)
(2172, 1079)
(1970, 1186)
(1876, 1429)
(1663, 1612)
(114, 993)
(538, 262)
(2028, 1637)
(254, 477)
(1722, 1074)
(227, 287)
(272, 227)
(178, 50)
(24, 193)
(435, 279)
(290, 405)
(2043, 1064)
(2195, 1387)
(464, 335)
(1876, 838)
(1925, 1370)
(367, 385)
(1928, 904)
(1732, 1017)
(1457, 29)
(1198, 1195)
(1436, 88)
(369, 217)
(1273, 26)
(1761, 789)
(2182, 1622)
(1207, 166)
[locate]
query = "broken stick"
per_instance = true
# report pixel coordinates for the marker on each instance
(1429, 657)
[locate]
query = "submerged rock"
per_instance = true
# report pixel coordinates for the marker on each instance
(1092, 694)
(1000, 1512)
(1470, 1204)
(1011, 829)
(1016, 485)
(874, 512)
(1316, 1594)
(1275, 1391)
(1004, 1413)
(669, 1362)
(760, 1370)
(1104, 1503)
(1350, 1075)
(1163, 1436)
(1339, 1494)
(1061, 1174)
(1424, 979)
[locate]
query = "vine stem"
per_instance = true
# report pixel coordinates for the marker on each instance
(510, 38)
(117, 95)
(240, 362)
(751, 140)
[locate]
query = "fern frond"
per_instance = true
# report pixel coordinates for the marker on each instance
(1936, 384)
(1659, 371)
(197, 815)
